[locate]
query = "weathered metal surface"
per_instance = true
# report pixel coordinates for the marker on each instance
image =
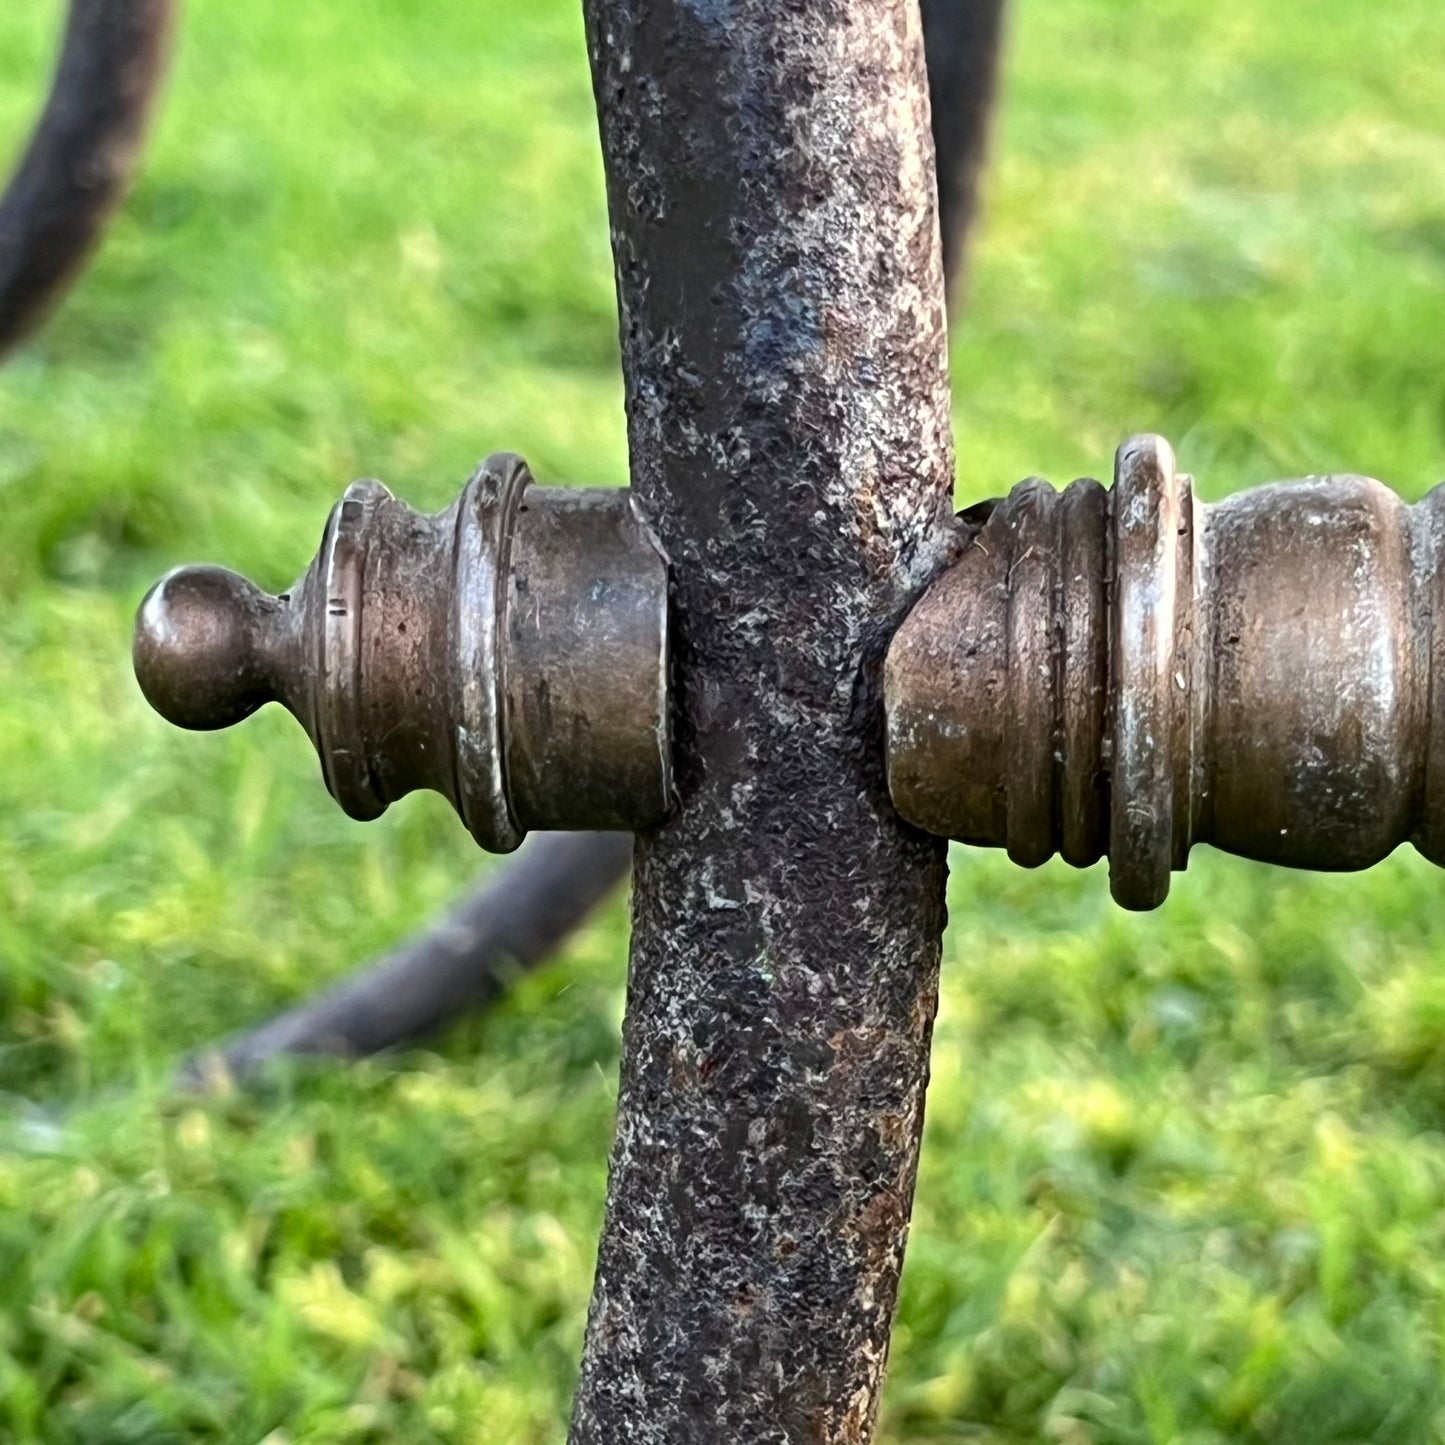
(770, 179)
(80, 159)
(509, 653)
(1135, 672)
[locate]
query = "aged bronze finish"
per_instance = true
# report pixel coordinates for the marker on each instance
(509, 653)
(1130, 672)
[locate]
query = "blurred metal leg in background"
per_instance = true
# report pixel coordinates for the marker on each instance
(82, 155)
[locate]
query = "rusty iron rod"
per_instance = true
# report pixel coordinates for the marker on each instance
(82, 155)
(770, 180)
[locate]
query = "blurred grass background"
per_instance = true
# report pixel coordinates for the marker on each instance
(1184, 1175)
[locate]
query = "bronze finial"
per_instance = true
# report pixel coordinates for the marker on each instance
(509, 653)
(1132, 672)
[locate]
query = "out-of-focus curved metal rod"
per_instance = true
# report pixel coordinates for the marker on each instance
(962, 41)
(82, 155)
(515, 920)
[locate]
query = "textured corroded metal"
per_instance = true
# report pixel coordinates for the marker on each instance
(1133, 672)
(771, 185)
(509, 653)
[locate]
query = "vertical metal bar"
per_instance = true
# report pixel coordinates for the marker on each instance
(770, 177)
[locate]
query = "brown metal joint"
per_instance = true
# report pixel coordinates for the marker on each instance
(1127, 673)
(509, 653)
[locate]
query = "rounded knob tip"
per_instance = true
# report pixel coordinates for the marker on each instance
(200, 647)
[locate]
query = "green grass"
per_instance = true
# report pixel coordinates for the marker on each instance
(1184, 1175)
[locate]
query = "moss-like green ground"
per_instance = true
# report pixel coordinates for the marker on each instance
(1184, 1176)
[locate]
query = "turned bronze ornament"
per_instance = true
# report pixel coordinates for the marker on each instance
(509, 653)
(1130, 672)
(1115, 673)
